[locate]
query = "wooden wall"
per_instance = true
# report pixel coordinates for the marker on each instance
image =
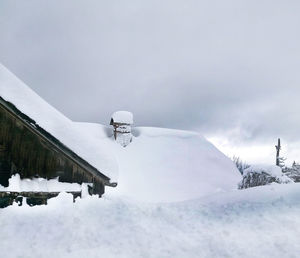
(24, 152)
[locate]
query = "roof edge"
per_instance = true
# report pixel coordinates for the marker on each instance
(33, 126)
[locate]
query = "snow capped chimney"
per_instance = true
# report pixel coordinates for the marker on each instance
(121, 122)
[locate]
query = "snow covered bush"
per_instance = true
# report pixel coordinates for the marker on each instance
(293, 172)
(263, 175)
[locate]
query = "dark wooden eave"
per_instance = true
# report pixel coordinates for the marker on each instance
(59, 147)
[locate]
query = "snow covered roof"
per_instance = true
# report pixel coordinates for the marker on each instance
(28, 102)
(166, 165)
(160, 165)
(122, 117)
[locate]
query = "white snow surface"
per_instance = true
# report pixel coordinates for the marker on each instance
(39, 185)
(269, 169)
(124, 117)
(159, 165)
(166, 165)
(253, 223)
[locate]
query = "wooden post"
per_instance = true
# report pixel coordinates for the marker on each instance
(278, 148)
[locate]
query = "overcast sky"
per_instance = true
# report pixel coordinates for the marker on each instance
(228, 69)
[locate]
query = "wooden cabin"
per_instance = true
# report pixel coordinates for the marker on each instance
(30, 151)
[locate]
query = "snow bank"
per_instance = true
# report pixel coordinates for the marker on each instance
(254, 223)
(38, 185)
(27, 101)
(123, 117)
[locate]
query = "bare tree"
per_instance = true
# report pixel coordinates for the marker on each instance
(241, 166)
(278, 148)
(279, 160)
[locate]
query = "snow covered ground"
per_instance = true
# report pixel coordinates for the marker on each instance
(257, 222)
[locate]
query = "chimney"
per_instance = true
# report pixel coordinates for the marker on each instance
(122, 122)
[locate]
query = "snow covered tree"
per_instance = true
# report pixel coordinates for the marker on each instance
(280, 161)
(293, 172)
(241, 166)
(263, 175)
(278, 148)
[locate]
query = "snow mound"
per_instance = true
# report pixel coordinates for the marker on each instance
(254, 223)
(123, 117)
(27, 101)
(165, 165)
(162, 165)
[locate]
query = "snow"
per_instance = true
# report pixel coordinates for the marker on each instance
(15, 91)
(166, 165)
(124, 138)
(39, 185)
(123, 117)
(271, 170)
(256, 222)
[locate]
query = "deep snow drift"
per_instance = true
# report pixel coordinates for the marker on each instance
(257, 222)
(164, 165)
(158, 165)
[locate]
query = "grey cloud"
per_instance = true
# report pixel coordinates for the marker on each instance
(202, 65)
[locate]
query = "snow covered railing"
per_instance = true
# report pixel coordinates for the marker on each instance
(7, 198)
(38, 191)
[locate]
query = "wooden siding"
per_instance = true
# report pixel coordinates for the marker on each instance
(34, 153)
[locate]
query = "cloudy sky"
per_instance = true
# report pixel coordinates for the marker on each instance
(228, 69)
